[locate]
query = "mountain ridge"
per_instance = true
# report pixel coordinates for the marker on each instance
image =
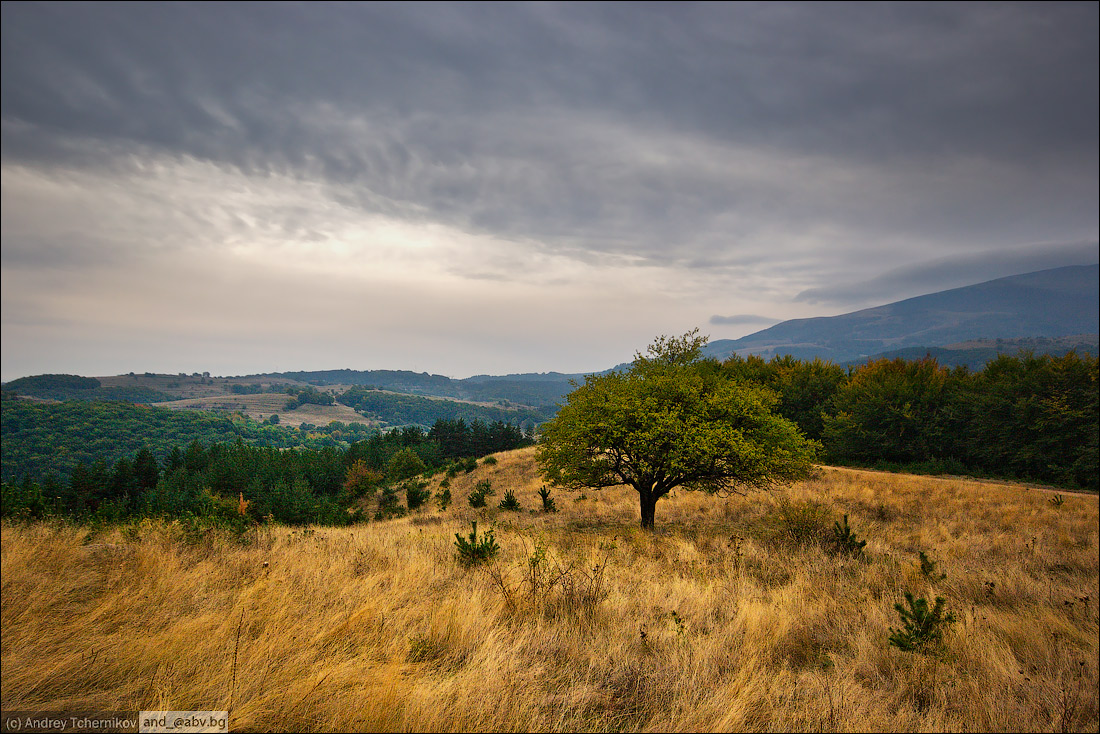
(1047, 303)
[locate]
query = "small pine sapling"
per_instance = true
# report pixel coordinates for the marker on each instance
(922, 626)
(482, 489)
(443, 499)
(510, 502)
(474, 551)
(845, 539)
(548, 505)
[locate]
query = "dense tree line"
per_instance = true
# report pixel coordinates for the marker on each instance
(403, 409)
(1024, 417)
(234, 482)
(75, 387)
(307, 396)
(40, 438)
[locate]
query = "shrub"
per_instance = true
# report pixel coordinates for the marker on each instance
(482, 489)
(387, 504)
(799, 523)
(844, 539)
(510, 502)
(928, 568)
(444, 498)
(547, 501)
(359, 480)
(489, 461)
(416, 494)
(923, 626)
(474, 551)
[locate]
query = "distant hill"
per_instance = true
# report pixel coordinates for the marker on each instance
(976, 353)
(531, 389)
(1045, 304)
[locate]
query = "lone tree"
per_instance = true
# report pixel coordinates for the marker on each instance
(671, 420)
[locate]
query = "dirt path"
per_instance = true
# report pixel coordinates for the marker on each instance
(953, 478)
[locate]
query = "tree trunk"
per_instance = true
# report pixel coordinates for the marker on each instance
(649, 505)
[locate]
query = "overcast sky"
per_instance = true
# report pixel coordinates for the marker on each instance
(494, 188)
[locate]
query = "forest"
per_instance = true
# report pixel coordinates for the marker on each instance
(236, 484)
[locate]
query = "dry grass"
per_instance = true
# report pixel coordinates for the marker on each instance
(263, 405)
(730, 617)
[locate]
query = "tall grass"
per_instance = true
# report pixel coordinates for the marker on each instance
(732, 615)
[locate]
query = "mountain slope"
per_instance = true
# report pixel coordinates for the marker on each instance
(1047, 303)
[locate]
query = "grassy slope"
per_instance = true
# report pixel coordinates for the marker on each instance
(719, 621)
(263, 405)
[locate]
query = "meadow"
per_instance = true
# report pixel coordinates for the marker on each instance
(737, 613)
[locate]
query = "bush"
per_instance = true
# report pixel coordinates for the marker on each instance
(928, 568)
(387, 504)
(474, 551)
(482, 489)
(416, 494)
(844, 540)
(510, 502)
(489, 461)
(798, 523)
(444, 498)
(547, 501)
(923, 626)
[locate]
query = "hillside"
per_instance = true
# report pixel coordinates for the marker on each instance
(1048, 303)
(734, 616)
(976, 353)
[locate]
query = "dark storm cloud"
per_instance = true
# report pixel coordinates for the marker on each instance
(588, 126)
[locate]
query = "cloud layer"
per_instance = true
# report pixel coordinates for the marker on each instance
(469, 188)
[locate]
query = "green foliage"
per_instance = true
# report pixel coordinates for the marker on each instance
(74, 387)
(923, 627)
(510, 502)
(805, 388)
(443, 499)
(671, 420)
(489, 461)
(388, 506)
(402, 409)
(416, 494)
(1057, 501)
(844, 539)
(889, 410)
(928, 568)
(404, 464)
(481, 491)
(1022, 417)
(41, 438)
(474, 551)
(308, 396)
(35, 383)
(548, 504)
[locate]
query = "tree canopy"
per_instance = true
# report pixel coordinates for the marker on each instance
(671, 420)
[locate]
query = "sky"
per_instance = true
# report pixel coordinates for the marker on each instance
(491, 188)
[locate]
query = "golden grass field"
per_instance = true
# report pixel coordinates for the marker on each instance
(725, 618)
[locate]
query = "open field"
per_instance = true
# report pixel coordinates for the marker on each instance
(734, 615)
(263, 405)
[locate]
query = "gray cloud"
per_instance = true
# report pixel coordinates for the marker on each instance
(953, 272)
(508, 118)
(742, 319)
(718, 153)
